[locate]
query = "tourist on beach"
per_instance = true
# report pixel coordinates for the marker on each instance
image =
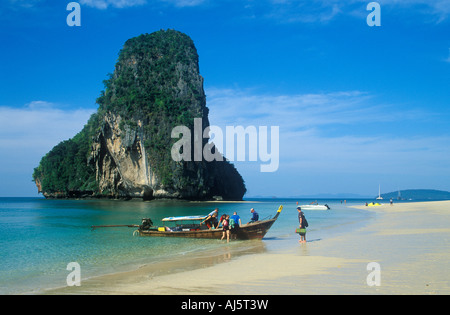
(222, 218)
(226, 228)
(302, 224)
(236, 219)
(211, 219)
(255, 216)
(235, 223)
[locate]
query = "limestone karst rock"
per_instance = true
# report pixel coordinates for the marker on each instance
(124, 151)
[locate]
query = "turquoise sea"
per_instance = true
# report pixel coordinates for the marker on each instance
(39, 237)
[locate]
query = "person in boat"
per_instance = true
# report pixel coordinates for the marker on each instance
(302, 224)
(255, 216)
(146, 224)
(216, 211)
(211, 219)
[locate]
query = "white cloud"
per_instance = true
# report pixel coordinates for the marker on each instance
(26, 135)
(440, 9)
(303, 11)
(307, 11)
(296, 111)
(333, 135)
(185, 3)
(104, 4)
(24, 3)
(38, 126)
(448, 58)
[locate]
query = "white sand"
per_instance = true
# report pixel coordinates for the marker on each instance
(410, 242)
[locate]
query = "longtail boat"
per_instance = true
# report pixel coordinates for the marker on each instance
(189, 227)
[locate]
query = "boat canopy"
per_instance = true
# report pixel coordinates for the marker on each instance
(185, 218)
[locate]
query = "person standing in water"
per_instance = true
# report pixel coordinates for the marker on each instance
(226, 228)
(302, 224)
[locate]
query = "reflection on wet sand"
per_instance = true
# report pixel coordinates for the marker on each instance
(202, 259)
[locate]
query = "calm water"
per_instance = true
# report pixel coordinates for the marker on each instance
(39, 237)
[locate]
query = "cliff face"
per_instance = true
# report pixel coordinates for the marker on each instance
(124, 151)
(120, 160)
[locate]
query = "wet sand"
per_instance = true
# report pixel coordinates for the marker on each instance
(409, 241)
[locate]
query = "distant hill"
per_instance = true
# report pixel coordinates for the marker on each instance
(418, 194)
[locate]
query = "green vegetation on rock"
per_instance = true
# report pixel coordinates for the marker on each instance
(124, 149)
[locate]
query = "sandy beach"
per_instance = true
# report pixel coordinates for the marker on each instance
(410, 242)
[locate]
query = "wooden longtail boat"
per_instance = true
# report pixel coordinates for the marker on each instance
(255, 230)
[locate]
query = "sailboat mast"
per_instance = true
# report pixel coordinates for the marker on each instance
(379, 192)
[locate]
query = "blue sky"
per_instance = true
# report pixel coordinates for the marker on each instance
(357, 106)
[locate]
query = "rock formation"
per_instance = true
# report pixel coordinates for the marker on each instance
(124, 151)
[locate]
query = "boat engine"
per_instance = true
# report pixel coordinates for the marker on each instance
(146, 224)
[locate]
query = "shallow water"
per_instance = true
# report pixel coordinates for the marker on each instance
(38, 237)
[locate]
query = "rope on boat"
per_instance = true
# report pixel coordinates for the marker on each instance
(134, 233)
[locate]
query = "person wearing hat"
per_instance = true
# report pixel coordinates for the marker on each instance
(302, 225)
(255, 216)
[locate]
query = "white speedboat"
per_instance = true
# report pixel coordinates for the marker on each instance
(315, 207)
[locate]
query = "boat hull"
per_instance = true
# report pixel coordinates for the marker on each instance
(314, 207)
(248, 231)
